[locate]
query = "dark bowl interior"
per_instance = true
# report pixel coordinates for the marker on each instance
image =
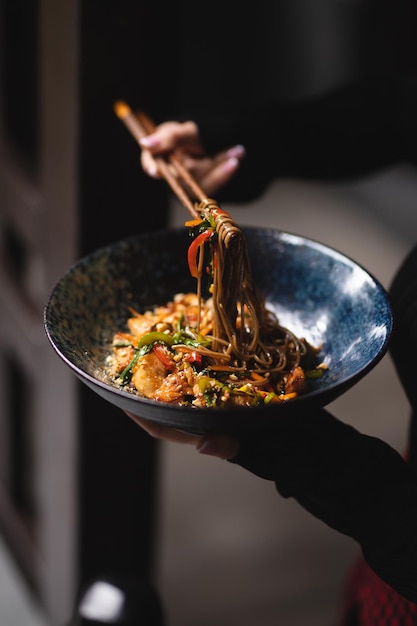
(317, 292)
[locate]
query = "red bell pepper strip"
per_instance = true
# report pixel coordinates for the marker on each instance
(163, 356)
(194, 357)
(193, 251)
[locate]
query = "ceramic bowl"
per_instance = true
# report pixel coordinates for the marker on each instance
(316, 292)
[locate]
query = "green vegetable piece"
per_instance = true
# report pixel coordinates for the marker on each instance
(155, 337)
(145, 345)
(125, 375)
(314, 374)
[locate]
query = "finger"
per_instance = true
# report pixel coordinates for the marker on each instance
(220, 446)
(150, 165)
(238, 152)
(201, 166)
(219, 176)
(166, 433)
(171, 136)
(213, 173)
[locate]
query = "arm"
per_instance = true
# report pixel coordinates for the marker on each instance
(348, 132)
(356, 484)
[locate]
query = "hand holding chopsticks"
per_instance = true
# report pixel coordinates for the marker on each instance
(140, 125)
(215, 170)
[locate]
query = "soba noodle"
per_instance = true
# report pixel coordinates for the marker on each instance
(226, 350)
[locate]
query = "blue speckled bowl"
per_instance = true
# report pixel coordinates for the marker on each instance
(317, 292)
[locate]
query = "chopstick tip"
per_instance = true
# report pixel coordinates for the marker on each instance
(121, 109)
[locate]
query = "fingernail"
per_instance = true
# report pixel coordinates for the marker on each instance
(231, 164)
(152, 171)
(237, 151)
(208, 446)
(149, 141)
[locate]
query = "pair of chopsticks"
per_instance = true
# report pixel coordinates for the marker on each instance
(140, 125)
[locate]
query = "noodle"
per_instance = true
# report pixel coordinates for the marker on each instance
(227, 350)
(260, 340)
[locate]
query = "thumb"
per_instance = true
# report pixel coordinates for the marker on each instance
(221, 446)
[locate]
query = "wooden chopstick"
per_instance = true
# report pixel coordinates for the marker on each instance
(149, 126)
(140, 125)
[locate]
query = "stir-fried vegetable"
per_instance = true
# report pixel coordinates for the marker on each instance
(167, 358)
(226, 351)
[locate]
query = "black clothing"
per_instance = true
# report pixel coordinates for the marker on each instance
(350, 132)
(355, 483)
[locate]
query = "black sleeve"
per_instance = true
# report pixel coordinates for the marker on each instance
(403, 343)
(356, 484)
(349, 132)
